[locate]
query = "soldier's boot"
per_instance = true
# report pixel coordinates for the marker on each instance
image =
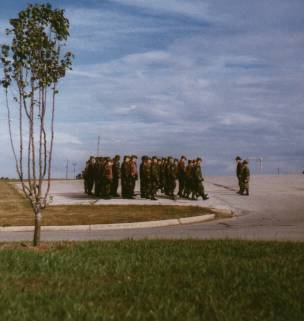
(205, 197)
(153, 198)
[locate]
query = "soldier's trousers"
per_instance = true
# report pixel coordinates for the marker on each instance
(114, 186)
(181, 188)
(171, 186)
(107, 189)
(188, 187)
(200, 190)
(245, 186)
(132, 183)
(124, 188)
(85, 185)
(90, 184)
(154, 188)
(142, 188)
(240, 184)
(98, 187)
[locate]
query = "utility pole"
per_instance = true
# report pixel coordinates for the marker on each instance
(261, 166)
(74, 166)
(98, 146)
(67, 169)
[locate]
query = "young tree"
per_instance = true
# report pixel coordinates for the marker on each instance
(33, 64)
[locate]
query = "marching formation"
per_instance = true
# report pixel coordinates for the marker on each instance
(157, 175)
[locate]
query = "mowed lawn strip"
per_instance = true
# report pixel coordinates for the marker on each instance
(153, 280)
(16, 211)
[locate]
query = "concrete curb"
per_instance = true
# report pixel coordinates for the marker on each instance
(121, 226)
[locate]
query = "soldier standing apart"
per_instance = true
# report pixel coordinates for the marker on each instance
(125, 173)
(116, 176)
(133, 176)
(239, 172)
(181, 176)
(199, 189)
(245, 178)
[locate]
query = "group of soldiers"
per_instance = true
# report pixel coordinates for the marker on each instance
(243, 175)
(102, 175)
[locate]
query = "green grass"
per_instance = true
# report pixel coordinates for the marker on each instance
(153, 280)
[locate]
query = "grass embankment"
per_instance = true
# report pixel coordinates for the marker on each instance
(153, 280)
(16, 211)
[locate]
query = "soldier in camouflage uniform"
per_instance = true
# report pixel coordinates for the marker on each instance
(100, 176)
(154, 178)
(163, 175)
(108, 178)
(159, 165)
(239, 166)
(199, 189)
(181, 176)
(90, 174)
(116, 176)
(133, 176)
(125, 174)
(146, 176)
(245, 178)
(141, 177)
(171, 177)
(188, 179)
(85, 178)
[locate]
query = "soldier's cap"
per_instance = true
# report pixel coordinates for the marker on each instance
(175, 159)
(184, 157)
(238, 158)
(126, 156)
(134, 156)
(199, 159)
(170, 157)
(117, 157)
(245, 161)
(154, 157)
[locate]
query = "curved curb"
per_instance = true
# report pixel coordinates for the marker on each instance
(120, 226)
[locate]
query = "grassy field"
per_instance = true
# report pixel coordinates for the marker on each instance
(153, 280)
(16, 211)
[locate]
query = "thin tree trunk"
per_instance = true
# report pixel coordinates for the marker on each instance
(37, 230)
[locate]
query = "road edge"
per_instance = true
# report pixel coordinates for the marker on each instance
(116, 226)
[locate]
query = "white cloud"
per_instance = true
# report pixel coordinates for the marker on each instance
(237, 119)
(66, 139)
(190, 8)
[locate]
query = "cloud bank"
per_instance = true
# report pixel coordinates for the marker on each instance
(183, 77)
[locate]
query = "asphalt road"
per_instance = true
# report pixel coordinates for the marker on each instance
(273, 211)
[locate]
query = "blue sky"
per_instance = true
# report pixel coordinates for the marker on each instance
(211, 78)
